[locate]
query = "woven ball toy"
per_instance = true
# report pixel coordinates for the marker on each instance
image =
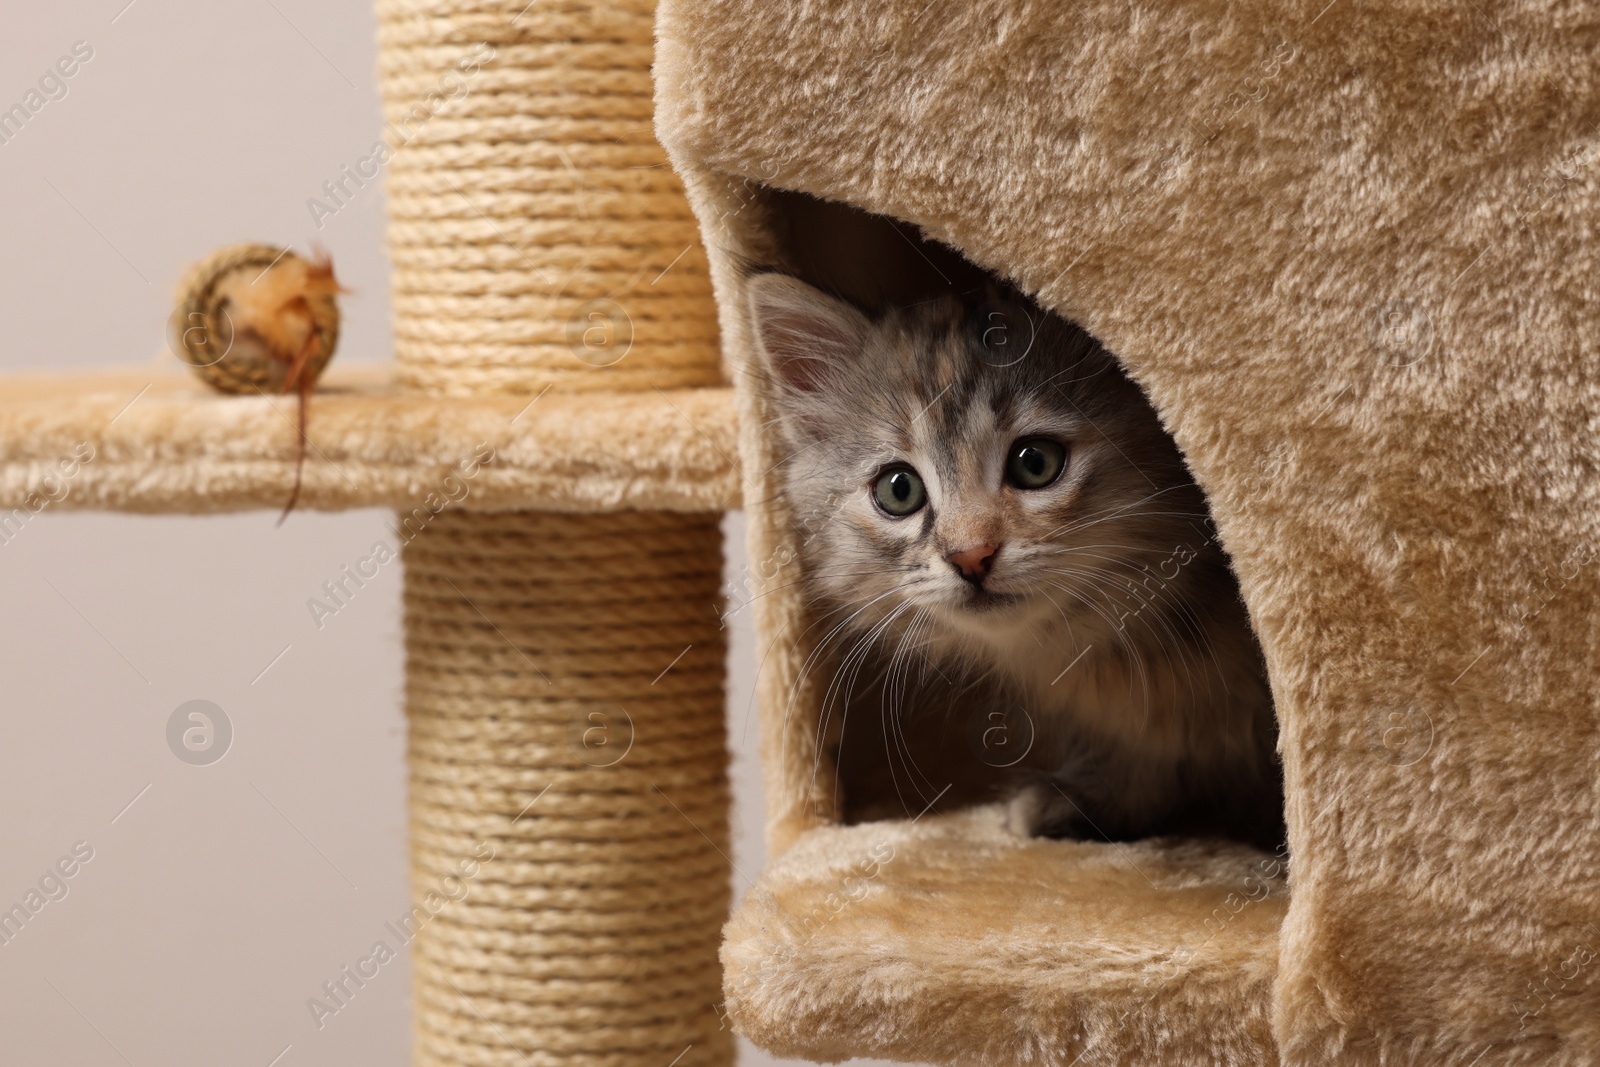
(255, 318)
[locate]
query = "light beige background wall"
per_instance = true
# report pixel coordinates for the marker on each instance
(218, 898)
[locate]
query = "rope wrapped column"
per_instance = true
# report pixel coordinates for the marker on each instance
(564, 679)
(536, 231)
(552, 745)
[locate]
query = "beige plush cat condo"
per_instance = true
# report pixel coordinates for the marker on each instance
(1351, 251)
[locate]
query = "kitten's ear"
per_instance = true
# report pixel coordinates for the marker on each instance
(804, 334)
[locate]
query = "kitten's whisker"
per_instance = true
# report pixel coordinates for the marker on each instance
(848, 672)
(1078, 525)
(817, 651)
(1140, 616)
(1166, 607)
(1122, 637)
(897, 681)
(1185, 669)
(810, 661)
(894, 732)
(1067, 621)
(804, 580)
(1136, 567)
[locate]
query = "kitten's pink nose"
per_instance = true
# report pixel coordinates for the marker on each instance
(974, 561)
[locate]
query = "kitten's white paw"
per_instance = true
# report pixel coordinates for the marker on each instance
(1025, 812)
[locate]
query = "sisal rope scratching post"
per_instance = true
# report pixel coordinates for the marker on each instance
(564, 672)
(591, 937)
(532, 213)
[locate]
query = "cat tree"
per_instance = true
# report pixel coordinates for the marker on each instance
(1350, 252)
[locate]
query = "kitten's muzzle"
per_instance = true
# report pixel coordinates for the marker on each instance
(974, 562)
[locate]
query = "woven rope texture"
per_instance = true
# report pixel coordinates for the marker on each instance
(537, 234)
(564, 672)
(565, 690)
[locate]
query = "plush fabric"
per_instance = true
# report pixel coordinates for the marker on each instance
(180, 447)
(906, 941)
(1350, 251)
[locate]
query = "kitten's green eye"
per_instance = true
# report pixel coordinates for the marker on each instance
(1035, 462)
(899, 492)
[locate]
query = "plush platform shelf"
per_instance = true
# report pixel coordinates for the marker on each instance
(910, 940)
(163, 442)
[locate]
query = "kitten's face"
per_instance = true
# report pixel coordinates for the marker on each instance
(977, 472)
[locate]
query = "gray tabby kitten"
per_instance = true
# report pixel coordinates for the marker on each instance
(985, 486)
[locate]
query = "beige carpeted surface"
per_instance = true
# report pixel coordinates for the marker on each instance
(1350, 250)
(177, 446)
(904, 941)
